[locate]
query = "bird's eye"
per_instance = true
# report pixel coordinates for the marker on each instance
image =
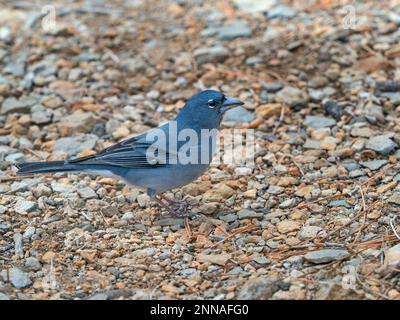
(212, 103)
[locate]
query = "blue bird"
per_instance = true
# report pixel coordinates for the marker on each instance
(154, 160)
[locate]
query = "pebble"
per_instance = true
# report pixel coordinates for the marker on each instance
(218, 259)
(292, 97)
(249, 214)
(325, 255)
(18, 246)
(24, 206)
(308, 232)
(317, 122)
(374, 164)
(233, 30)
(281, 11)
(392, 256)
(33, 264)
(87, 193)
(21, 105)
(261, 288)
(211, 54)
(18, 278)
(237, 115)
(381, 144)
(75, 145)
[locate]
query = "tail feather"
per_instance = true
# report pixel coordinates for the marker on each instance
(44, 167)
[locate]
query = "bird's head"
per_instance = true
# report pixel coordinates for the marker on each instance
(205, 109)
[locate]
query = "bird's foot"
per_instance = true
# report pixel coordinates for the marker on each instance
(176, 209)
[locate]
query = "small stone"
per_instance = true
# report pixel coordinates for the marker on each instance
(233, 30)
(143, 200)
(110, 211)
(287, 226)
(75, 145)
(364, 132)
(243, 171)
(29, 232)
(62, 187)
(33, 264)
(308, 232)
(260, 288)
(237, 115)
(395, 198)
(275, 189)
(381, 144)
(21, 105)
(4, 297)
(219, 259)
(292, 97)
(87, 193)
(317, 122)
(18, 246)
(249, 214)
(219, 192)
(24, 206)
(127, 216)
(40, 115)
(250, 194)
(281, 11)
(18, 278)
(52, 102)
(289, 203)
(262, 260)
(329, 143)
(78, 122)
(268, 110)
(212, 54)
(392, 256)
(325, 255)
(338, 203)
(374, 164)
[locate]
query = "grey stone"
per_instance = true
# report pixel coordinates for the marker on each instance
(230, 217)
(261, 288)
(338, 203)
(21, 105)
(18, 247)
(20, 186)
(211, 54)
(281, 11)
(381, 144)
(325, 255)
(3, 209)
(87, 193)
(74, 145)
(395, 198)
(248, 214)
(317, 122)
(312, 144)
(23, 206)
(62, 187)
(233, 30)
(238, 115)
(261, 260)
(32, 264)
(394, 97)
(374, 164)
(19, 279)
(292, 96)
(357, 173)
(254, 6)
(40, 115)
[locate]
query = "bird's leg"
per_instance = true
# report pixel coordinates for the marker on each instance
(181, 211)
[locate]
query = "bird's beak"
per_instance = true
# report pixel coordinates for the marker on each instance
(230, 103)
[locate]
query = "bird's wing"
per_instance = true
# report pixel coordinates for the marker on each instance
(130, 153)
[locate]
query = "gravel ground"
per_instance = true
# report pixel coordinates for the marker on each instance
(314, 219)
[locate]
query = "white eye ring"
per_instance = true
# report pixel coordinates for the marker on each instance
(212, 103)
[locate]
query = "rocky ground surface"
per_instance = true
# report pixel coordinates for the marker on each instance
(316, 218)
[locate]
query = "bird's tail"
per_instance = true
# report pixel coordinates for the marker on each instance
(45, 167)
